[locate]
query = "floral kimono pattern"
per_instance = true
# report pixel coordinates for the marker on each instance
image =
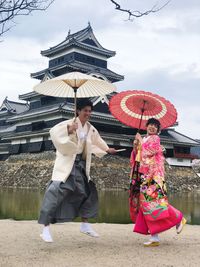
(152, 169)
(149, 207)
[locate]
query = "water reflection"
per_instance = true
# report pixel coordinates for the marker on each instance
(189, 204)
(24, 204)
(19, 204)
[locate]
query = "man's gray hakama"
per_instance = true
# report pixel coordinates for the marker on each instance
(77, 197)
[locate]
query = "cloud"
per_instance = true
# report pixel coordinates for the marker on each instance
(181, 89)
(19, 57)
(158, 53)
(62, 16)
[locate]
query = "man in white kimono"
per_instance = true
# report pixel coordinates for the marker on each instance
(71, 193)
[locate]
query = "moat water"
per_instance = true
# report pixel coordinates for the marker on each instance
(24, 204)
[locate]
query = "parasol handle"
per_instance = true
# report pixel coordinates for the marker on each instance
(75, 103)
(142, 112)
(140, 122)
(138, 155)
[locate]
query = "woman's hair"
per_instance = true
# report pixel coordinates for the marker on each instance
(154, 122)
(84, 102)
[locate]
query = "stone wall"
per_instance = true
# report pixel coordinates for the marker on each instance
(110, 172)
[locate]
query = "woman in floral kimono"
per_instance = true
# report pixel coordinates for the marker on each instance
(149, 207)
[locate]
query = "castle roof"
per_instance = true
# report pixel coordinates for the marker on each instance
(78, 66)
(13, 107)
(168, 136)
(83, 39)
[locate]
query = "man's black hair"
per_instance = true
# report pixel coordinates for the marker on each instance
(84, 102)
(154, 122)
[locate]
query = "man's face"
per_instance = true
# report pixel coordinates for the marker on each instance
(84, 113)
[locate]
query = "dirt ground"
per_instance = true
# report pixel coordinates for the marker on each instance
(117, 246)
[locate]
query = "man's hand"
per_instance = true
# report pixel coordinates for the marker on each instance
(72, 128)
(111, 150)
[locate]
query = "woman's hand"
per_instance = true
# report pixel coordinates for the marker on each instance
(135, 143)
(138, 137)
(72, 128)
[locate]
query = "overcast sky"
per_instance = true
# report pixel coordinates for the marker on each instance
(158, 53)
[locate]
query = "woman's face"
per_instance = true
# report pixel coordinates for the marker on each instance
(152, 129)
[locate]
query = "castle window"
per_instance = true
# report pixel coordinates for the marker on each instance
(37, 126)
(24, 128)
(60, 60)
(47, 100)
(90, 60)
(185, 150)
(35, 104)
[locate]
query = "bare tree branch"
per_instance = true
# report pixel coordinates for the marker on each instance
(10, 9)
(137, 13)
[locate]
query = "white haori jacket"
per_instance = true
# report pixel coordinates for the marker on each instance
(67, 147)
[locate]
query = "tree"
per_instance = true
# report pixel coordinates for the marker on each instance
(10, 9)
(137, 13)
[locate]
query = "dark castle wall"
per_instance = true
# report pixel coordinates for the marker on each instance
(78, 57)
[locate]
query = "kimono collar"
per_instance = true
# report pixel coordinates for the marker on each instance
(79, 122)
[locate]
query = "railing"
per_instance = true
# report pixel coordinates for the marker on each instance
(185, 156)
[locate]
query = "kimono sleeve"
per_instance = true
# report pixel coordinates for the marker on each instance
(64, 143)
(132, 158)
(152, 146)
(99, 146)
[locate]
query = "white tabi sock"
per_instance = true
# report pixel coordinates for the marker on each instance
(87, 229)
(155, 238)
(46, 236)
(85, 226)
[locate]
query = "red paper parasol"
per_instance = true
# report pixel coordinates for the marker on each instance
(134, 108)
